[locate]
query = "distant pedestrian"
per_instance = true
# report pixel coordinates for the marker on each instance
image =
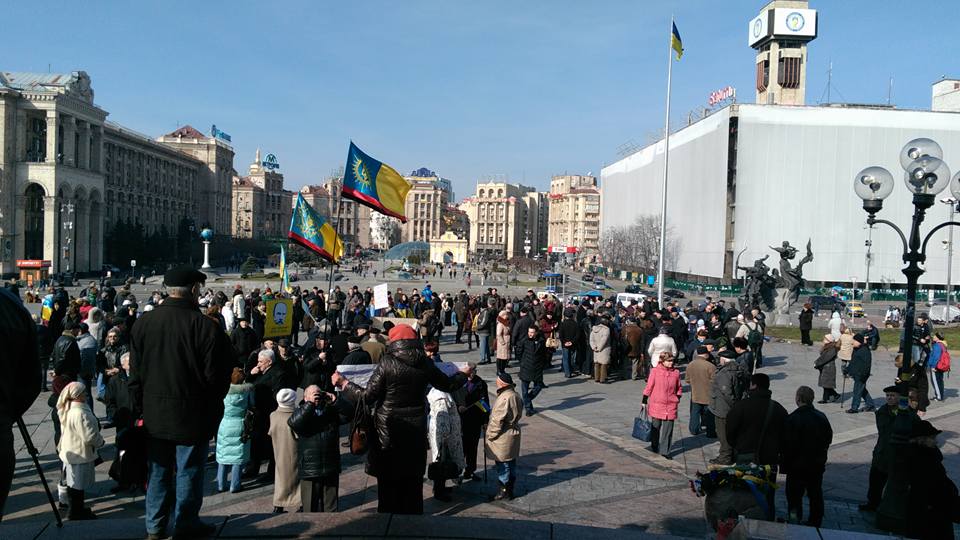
(826, 364)
(661, 397)
(531, 352)
(806, 324)
(938, 351)
(859, 371)
(700, 374)
(474, 408)
(807, 437)
(600, 344)
(502, 441)
(724, 393)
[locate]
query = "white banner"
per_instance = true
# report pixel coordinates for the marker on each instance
(380, 297)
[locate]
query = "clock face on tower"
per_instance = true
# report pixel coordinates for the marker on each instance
(795, 21)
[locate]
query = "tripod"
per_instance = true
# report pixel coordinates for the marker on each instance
(36, 462)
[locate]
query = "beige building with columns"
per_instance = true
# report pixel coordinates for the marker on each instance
(499, 215)
(261, 208)
(574, 214)
(424, 206)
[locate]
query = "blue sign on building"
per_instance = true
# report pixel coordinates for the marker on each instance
(217, 134)
(270, 162)
(650, 281)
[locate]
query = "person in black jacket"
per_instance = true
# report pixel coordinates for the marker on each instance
(180, 364)
(806, 439)
(267, 378)
(65, 355)
(356, 356)
(519, 329)
(806, 324)
(245, 341)
(755, 424)
(859, 370)
(474, 407)
(397, 454)
(19, 386)
(532, 360)
(318, 361)
(315, 422)
(569, 335)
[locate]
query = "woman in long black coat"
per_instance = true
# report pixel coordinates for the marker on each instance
(826, 364)
(398, 386)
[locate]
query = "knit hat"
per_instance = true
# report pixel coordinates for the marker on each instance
(402, 331)
(505, 377)
(858, 338)
(287, 398)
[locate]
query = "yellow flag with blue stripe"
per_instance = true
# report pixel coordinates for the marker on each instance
(676, 42)
(374, 184)
(309, 229)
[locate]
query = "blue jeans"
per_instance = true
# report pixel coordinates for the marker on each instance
(528, 394)
(700, 414)
(860, 389)
(174, 485)
(235, 471)
(101, 387)
(568, 361)
(484, 348)
(506, 471)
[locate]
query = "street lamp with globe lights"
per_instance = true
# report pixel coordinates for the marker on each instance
(925, 175)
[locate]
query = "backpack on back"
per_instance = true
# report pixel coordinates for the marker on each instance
(754, 336)
(943, 364)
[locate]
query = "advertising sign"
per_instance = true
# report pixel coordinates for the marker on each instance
(270, 162)
(795, 22)
(721, 95)
(217, 134)
(279, 320)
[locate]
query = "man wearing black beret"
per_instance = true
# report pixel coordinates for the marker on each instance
(180, 364)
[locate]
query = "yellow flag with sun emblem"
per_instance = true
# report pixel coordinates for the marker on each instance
(374, 184)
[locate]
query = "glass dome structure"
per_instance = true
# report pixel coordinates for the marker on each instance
(404, 250)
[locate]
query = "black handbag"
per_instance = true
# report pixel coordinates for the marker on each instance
(444, 468)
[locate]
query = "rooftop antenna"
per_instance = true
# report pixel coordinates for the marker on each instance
(49, 68)
(890, 92)
(829, 80)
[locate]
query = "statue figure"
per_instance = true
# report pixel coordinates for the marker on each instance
(790, 278)
(758, 289)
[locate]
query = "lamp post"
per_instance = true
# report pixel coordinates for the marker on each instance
(925, 176)
(953, 203)
(67, 210)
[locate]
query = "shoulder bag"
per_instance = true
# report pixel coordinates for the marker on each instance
(360, 429)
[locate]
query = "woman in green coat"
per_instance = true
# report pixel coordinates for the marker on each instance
(232, 449)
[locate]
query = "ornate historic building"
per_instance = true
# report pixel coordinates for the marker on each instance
(67, 175)
(501, 217)
(425, 204)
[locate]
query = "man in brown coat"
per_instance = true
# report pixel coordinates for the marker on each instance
(700, 375)
(633, 335)
(502, 440)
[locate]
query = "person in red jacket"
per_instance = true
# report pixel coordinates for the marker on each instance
(661, 396)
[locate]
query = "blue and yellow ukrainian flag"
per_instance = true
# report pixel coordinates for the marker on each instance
(676, 42)
(374, 184)
(312, 231)
(483, 405)
(283, 271)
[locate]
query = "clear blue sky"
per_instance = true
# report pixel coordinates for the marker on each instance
(525, 89)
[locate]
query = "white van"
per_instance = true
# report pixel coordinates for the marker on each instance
(625, 298)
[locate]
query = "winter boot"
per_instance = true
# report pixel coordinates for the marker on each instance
(79, 512)
(501, 492)
(603, 368)
(509, 489)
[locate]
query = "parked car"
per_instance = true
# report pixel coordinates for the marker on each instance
(943, 314)
(599, 284)
(588, 277)
(855, 309)
(674, 293)
(633, 288)
(830, 303)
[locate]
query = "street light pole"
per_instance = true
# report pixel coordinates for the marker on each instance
(926, 176)
(953, 208)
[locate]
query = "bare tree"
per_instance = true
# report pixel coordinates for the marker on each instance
(637, 245)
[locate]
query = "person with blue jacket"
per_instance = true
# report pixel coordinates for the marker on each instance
(232, 450)
(936, 377)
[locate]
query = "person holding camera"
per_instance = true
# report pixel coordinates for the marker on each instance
(315, 423)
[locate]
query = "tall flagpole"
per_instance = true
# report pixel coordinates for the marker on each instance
(666, 165)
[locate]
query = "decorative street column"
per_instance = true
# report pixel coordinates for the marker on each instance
(206, 235)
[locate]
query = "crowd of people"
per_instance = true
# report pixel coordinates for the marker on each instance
(188, 365)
